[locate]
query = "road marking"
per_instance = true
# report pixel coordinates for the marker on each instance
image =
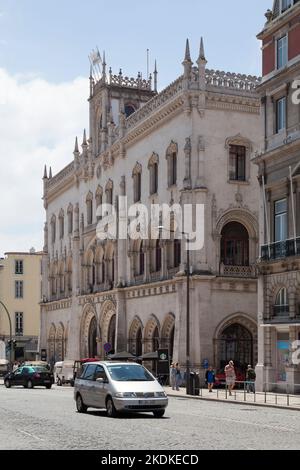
(31, 435)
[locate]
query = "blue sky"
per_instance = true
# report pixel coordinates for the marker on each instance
(52, 38)
(44, 48)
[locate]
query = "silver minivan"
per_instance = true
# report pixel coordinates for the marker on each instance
(119, 386)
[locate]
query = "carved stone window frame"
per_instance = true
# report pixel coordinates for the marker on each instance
(89, 208)
(241, 141)
(137, 182)
(171, 151)
(153, 164)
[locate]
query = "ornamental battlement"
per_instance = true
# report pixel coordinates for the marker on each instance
(198, 86)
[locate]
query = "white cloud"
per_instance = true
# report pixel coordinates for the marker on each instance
(38, 125)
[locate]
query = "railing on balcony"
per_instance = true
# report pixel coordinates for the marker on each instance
(280, 250)
(238, 271)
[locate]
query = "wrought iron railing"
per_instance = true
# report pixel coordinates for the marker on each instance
(280, 250)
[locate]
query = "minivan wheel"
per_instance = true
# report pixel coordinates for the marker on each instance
(110, 408)
(158, 413)
(29, 384)
(7, 383)
(48, 386)
(81, 407)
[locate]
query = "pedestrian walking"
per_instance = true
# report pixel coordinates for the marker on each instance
(178, 376)
(173, 375)
(250, 379)
(15, 366)
(210, 378)
(230, 376)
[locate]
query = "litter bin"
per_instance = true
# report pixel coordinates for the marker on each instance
(194, 384)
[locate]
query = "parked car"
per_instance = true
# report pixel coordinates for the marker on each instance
(29, 377)
(63, 372)
(221, 378)
(4, 367)
(124, 386)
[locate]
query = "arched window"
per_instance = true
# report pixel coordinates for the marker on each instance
(172, 163)
(235, 245)
(177, 253)
(153, 173)
(155, 339)
(158, 256)
(99, 201)
(129, 109)
(89, 208)
(141, 260)
(137, 182)
(70, 219)
(138, 343)
(281, 307)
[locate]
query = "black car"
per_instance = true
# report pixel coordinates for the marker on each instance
(29, 377)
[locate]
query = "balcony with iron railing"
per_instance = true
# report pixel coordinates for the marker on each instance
(280, 250)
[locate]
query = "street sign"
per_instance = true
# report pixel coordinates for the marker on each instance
(107, 347)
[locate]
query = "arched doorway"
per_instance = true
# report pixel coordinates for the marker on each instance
(111, 337)
(235, 342)
(88, 332)
(92, 338)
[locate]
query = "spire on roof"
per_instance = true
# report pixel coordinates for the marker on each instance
(201, 52)
(187, 63)
(45, 173)
(76, 149)
(50, 173)
(187, 56)
(84, 142)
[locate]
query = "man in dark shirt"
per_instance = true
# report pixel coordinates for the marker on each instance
(250, 378)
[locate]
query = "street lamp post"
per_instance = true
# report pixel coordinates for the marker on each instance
(188, 366)
(10, 334)
(188, 381)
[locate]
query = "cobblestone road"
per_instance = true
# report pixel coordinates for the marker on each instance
(46, 419)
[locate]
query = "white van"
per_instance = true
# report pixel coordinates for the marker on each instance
(63, 372)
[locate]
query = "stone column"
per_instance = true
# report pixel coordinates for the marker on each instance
(121, 322)
(187, 184)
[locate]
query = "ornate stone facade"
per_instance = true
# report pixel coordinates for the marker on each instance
(170, 147)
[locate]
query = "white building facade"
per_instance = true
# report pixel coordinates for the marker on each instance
(188, 144)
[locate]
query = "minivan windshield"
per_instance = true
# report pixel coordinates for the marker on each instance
(129, 373)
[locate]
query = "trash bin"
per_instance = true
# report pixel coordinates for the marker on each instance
(194, 385)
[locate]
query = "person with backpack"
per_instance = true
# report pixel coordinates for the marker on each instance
(250, 379)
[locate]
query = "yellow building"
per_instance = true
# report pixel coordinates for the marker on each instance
(20, 291)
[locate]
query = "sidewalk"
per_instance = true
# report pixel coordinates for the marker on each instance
(275, 400)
